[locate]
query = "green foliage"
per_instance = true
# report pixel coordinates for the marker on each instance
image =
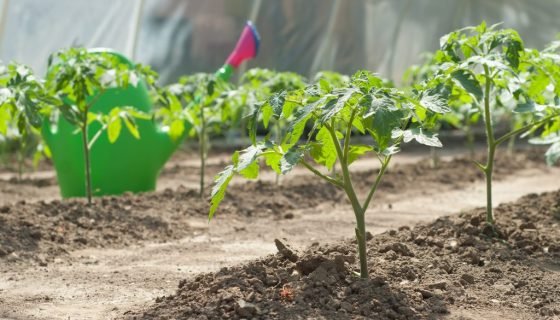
(80, 77)
(364, 105)
(23, 103)
(489, 71)
(202, 101)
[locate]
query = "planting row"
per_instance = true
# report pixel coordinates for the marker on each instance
(480, 73)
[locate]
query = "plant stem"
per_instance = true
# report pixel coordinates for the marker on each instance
(277, 139)
(491, 144)
(384, 165)
(21, 158)
(86, 158)
(470, 140)
(202, 150)
(434, 159)
(351, 194)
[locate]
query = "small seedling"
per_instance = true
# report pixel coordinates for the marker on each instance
(200, 101)
(480, 64)
(23, 104)
(364, 106)
(80, 78)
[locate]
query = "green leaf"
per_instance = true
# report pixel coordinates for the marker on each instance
(267, 112)
(383, 124)
(420, 135)
(114, 128)
(324, 152)
(290, 159)
(248, 156)
(332, 109)
(222, 181)
(277, 103)
(355, 151)
(273, 161)
(131, 125)
(434, 103)
(466, 80)
(176, 129)
(552, 154)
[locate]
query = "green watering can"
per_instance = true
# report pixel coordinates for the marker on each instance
(129, 164)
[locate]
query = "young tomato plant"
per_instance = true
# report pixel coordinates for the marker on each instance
(545, 72)
(363, 106)
(259, 86)
(23, 103)
(81, 77)
(485, 63)
(198, 100)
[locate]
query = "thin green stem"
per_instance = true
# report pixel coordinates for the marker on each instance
(491, 144)
(322, 176)
(380, 174)
(524, 128)
(87, 160)
(96, 136)
(351, 194)
(202, 150)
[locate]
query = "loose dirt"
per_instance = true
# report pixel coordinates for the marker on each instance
(452, 264)
(64, 260)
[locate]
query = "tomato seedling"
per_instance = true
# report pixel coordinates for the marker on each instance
(23, 103)
(199, 100)
(80, 78)
(486, 63)
(365, 106)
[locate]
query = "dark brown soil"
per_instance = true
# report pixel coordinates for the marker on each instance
(450, 265)
(43, 230)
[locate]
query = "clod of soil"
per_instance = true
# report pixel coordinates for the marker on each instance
(449, 266)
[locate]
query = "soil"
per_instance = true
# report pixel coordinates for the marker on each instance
(40, 231)
(454, 263)
(63, 259)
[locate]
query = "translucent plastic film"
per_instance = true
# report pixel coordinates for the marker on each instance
(180, 37)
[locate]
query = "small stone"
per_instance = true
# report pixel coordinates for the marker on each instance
(426, 294)
(285, 251)
(467, 278)
(246, 310)
(346, 306)
(442, 285)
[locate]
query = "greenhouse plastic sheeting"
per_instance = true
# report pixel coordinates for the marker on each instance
(181, 37)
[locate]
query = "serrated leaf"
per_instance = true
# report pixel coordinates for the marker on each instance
(222, 181)
(332, 109)
(466, 80)
(355, 151)
(277, 103)
(383, 124)
(248, 156)
(290, 159)
(273, 161)
(377, 103)
(324, 152)
(435, 103)
(421, 136)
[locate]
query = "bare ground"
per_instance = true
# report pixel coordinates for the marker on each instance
(101, 279)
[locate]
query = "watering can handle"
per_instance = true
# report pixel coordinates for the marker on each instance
(246, 48)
